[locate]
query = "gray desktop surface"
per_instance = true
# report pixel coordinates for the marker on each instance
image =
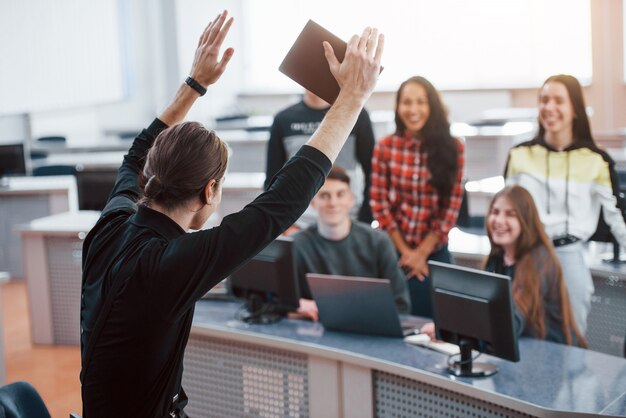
(549, 376)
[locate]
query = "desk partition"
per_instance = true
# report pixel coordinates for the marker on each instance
(53, 255)
(4, 277)
(23, 199)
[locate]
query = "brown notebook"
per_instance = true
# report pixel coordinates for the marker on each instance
(306, 64)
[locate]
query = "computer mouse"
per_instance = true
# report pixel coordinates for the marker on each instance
(417, 339)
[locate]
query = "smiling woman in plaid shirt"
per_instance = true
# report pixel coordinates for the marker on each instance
(416, 185)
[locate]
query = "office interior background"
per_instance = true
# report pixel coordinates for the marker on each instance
(95, 73)
(131, 55)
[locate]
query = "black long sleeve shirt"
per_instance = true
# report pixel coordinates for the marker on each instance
(137, 362)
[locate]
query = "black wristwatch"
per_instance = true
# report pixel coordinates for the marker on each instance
(195, 85)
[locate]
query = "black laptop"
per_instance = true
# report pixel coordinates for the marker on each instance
(360, 305)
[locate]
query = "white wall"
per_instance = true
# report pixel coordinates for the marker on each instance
(148, 87)
(161, 58)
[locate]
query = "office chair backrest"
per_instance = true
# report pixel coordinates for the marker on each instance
(21, 400)
(464, 217)
(54, 170)
(52, 139)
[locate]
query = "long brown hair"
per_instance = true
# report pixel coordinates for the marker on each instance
(183, 159)
(527, 283)
(440, 147)
(581, 129)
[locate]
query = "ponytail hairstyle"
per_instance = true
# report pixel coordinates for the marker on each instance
(440, 147)
(581, 129)
(183, 159)
(527, 284)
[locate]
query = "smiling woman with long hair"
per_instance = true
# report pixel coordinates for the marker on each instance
(571, 181)
(416, 189)
(521, 249)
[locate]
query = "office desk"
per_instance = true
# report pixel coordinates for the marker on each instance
(53, 254)
(23, 199)
(4, 277)
(487, 147)
(53, 246)
(296, 369)
(247, 150)
(109, 143)
(84, 160)
(238, 190)
(607, 319)
(481, 192)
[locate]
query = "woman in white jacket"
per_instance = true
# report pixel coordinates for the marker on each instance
(571, 180)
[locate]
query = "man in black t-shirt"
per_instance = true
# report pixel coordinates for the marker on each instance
(294, 125)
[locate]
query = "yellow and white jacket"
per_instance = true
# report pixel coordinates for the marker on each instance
(569, 187)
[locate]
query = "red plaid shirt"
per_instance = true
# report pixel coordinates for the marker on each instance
(401, 195)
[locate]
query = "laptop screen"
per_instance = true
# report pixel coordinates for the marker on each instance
(356, 304)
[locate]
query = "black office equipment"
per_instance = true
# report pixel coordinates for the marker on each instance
(54, 170)
(12, 160)
(94, 186)
(359, 304)
(603, 232)
(474, 310)
(268, 283)
(53, 139)
(21, 399)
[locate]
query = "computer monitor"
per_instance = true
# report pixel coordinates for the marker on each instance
(268, 283)
(94, 186)
(603, 234)
(474, 310)
(12, 160)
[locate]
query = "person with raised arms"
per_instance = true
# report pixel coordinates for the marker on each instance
(143, 272)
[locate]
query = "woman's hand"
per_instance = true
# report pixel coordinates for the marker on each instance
(206, 68)
(415, 262)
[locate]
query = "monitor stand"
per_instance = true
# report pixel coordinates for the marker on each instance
(465, 367)
(260, 311)
(616, 260)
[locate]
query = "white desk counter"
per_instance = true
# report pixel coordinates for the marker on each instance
(487, 147)
(4, 277)
(23, 199)
(53, 253)
(84, 160)
(238, 190)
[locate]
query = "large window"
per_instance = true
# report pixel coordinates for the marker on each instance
(60, 54)
(457, 44)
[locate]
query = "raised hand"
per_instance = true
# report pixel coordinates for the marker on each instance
(358, 73)
(206, 68)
